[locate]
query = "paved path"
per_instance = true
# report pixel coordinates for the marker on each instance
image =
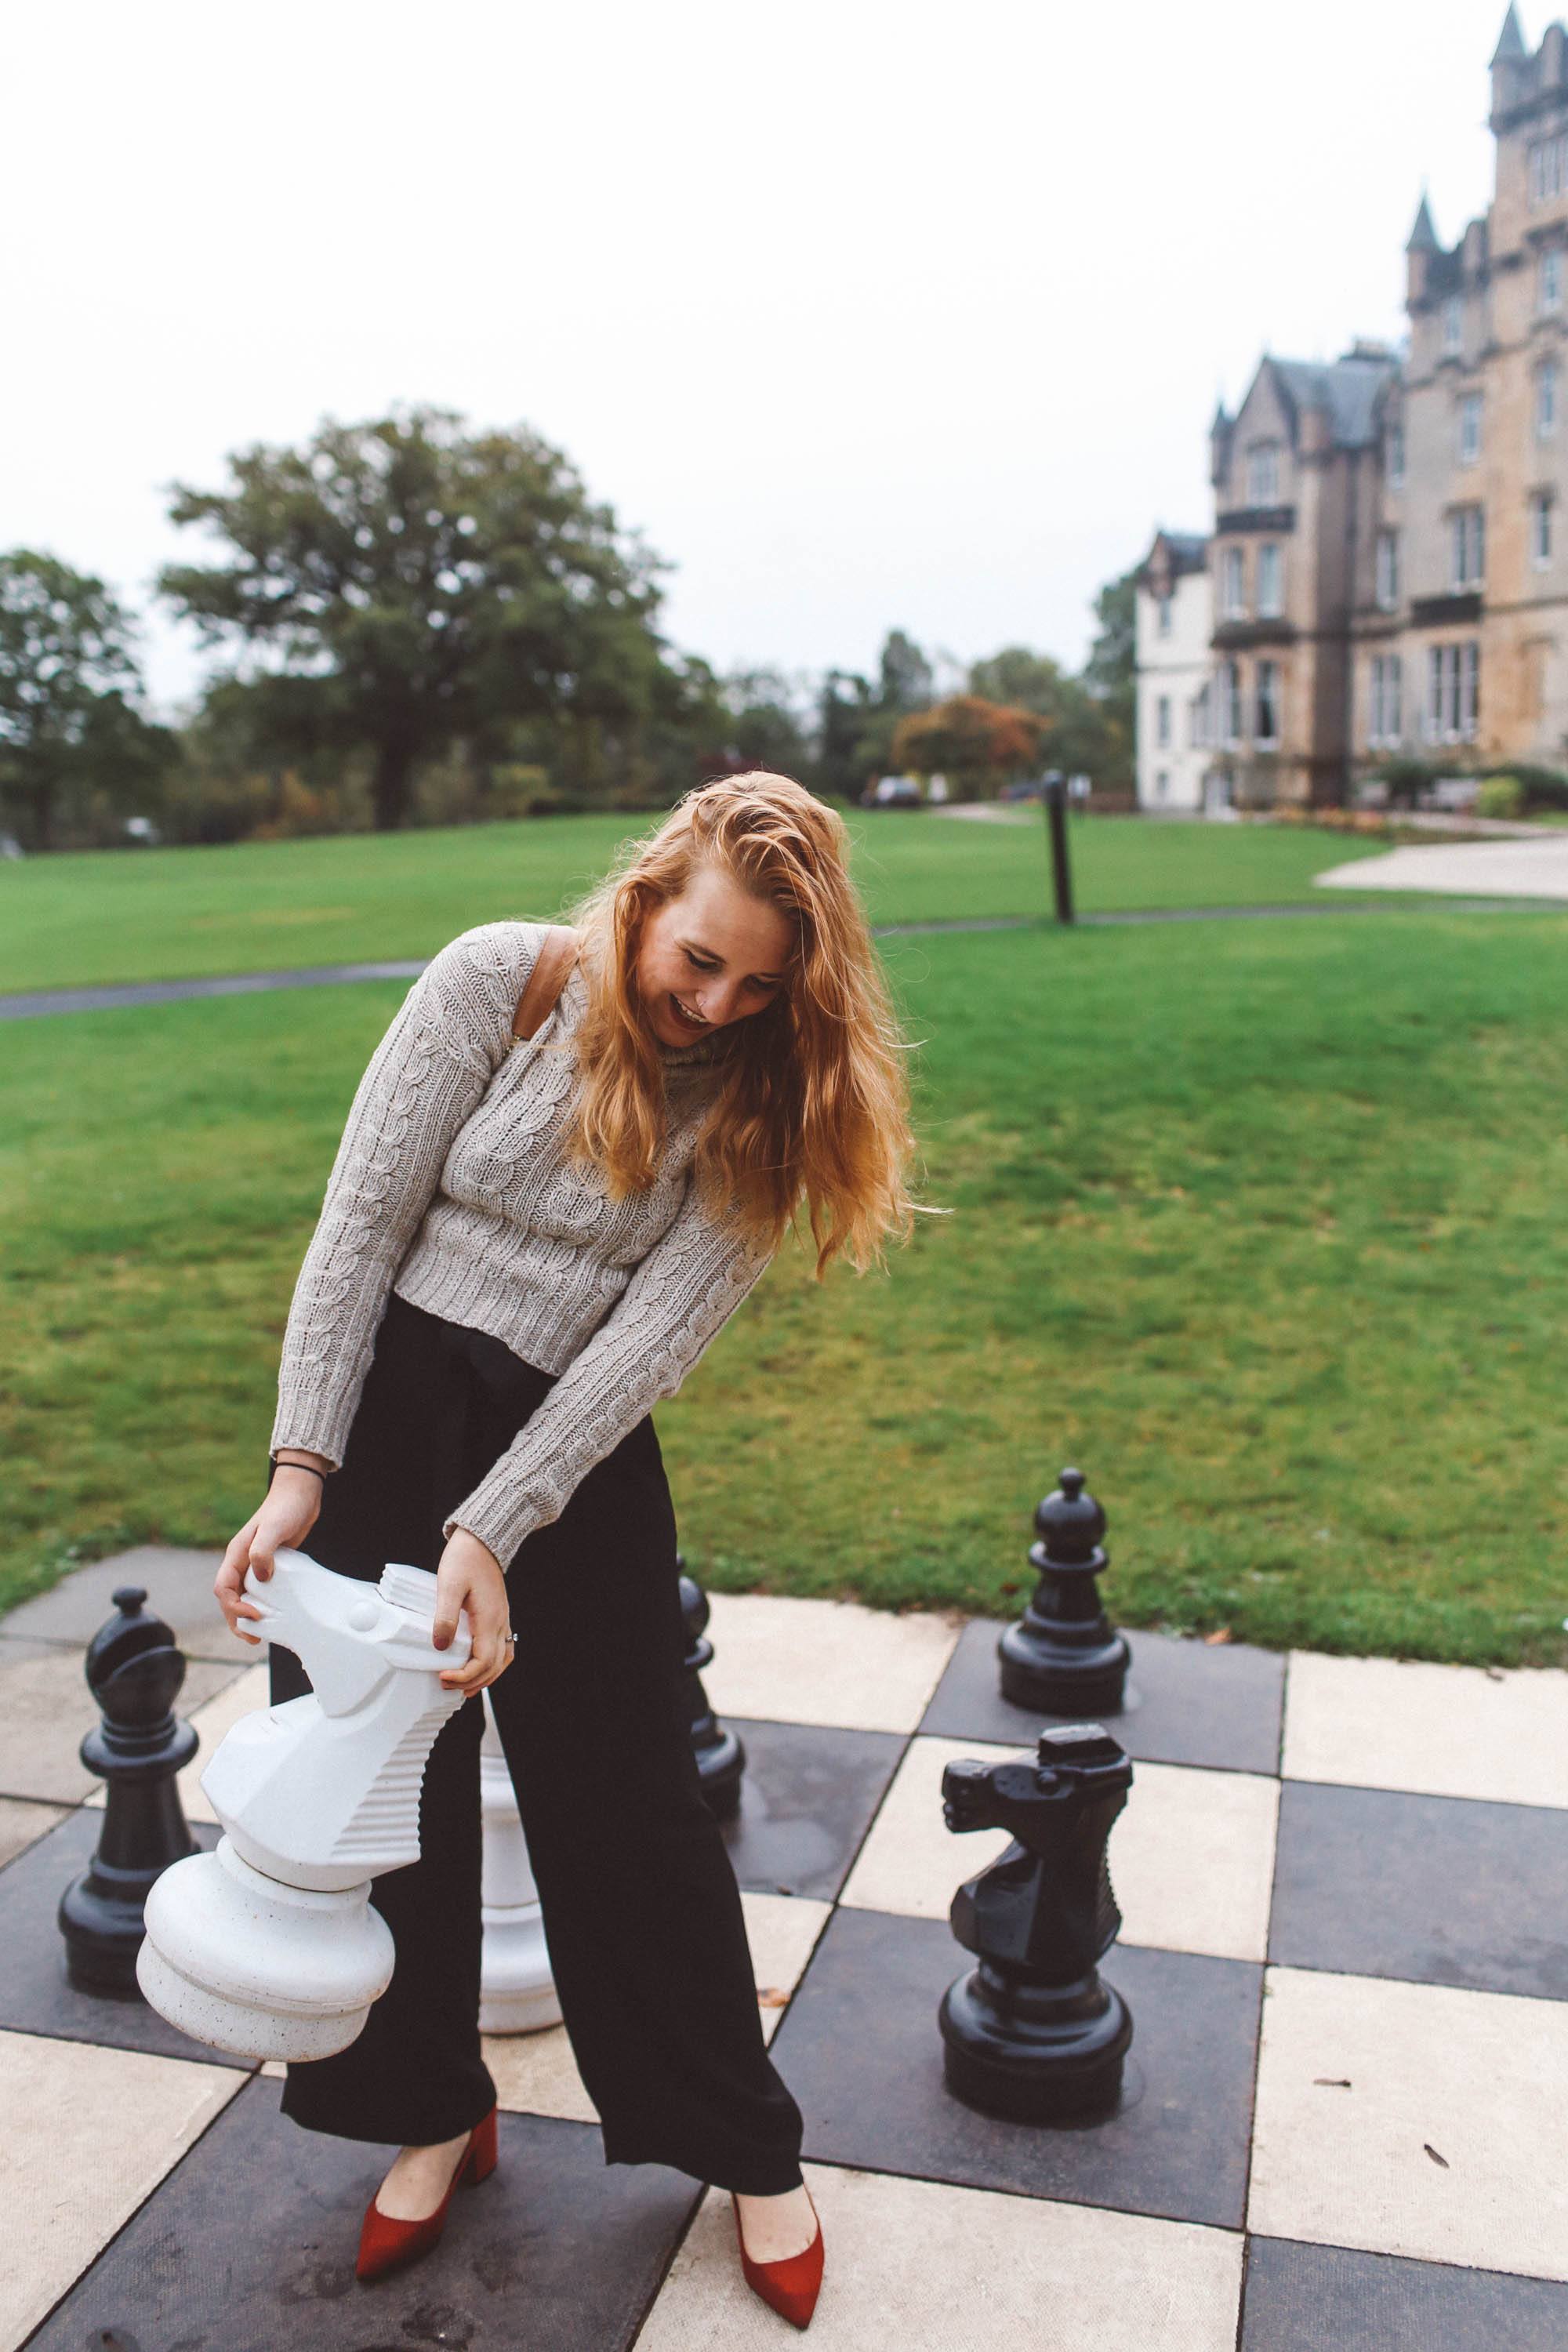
(1512, 869)
(35, 1002)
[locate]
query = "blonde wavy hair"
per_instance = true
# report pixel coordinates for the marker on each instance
(812, 1100)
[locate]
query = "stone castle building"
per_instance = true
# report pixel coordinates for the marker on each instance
(1388, 565)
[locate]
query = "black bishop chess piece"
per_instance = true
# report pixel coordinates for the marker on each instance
(720, 1755)
(135, 1671)
(1033, 2033)
(1064, 1656)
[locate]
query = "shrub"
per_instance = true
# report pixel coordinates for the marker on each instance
(1499, 796)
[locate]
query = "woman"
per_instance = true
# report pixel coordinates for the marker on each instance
(522, 1248)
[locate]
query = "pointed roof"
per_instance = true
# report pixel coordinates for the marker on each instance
(1423, 237)
(1511, 40)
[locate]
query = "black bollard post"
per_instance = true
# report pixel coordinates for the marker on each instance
(1064, 1656)
(134, 1671)
(721, 1757)
(1032, 2033)
(1061, 861)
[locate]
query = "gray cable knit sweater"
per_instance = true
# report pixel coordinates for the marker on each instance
(451, 1188)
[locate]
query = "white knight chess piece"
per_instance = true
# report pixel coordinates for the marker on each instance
(269, 1946)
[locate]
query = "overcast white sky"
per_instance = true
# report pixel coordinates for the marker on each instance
(866, 315)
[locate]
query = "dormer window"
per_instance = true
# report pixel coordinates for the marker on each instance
(1163, 612)
(1263, 474)
(1453, 326)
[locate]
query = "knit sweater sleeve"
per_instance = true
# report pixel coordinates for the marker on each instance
(680, 1296)
(448, 1037)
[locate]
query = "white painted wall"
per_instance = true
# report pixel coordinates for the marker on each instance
(1172, 670)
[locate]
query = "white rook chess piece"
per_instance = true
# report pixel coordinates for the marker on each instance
(517, 1991)
(269, 1946)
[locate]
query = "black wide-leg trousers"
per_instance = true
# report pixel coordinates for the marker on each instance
(641, 1909)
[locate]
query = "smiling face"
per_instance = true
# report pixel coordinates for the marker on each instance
(710, 957)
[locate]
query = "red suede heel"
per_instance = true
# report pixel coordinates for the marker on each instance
(385, 2244)
(791, 2285)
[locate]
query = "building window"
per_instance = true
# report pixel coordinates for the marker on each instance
(1387, 568)
(1269, 596)
(1546, 399)
(1454, 325)
(1163, 614)
(1233, 584)
(1393, 456)
(1230, 704)
(1200, 718)
(1386, 717)
(1268, 702)
(1467, 547)
(1263, 474)
(1541, 528)
(1548, 280)
(1162, 784)
(1453, 684)
(1469, 428)
(1548, 168)
(1163, 722)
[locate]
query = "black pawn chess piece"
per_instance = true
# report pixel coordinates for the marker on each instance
(134, 1671)
(720, 1757)
(1032, 2033)
(1064, 1656)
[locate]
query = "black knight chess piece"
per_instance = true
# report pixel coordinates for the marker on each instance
(720, 1755)
(1032, 2033)
(135, 1671)
(1064, 1656)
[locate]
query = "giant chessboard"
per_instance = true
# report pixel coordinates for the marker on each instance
(1345, 1890)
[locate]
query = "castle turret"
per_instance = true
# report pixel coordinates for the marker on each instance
(1420, 251)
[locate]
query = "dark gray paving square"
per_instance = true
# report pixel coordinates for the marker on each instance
(1437, 1890)
(1187, 1704)
(860, 2049)
(34, 1997)
(179, 1588)
(1326, 2299)
(807, 1801)
(248, 2246)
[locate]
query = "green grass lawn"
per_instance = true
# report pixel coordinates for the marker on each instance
(1260, 1223)
(166, 914)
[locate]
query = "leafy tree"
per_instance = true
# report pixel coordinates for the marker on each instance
(977, 743)
(844, 706)
(1111, 667)
(1028, 680)
(70, 688)
(906, 674)
(404, 585)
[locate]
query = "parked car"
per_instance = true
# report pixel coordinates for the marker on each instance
(893, 792)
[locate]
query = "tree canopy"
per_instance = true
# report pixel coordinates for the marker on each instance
(977, 743)
(403, 584)
(69, 690)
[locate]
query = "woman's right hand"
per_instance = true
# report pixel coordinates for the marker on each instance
(291, 1508)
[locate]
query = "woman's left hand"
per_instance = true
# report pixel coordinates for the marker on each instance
(470, 1577)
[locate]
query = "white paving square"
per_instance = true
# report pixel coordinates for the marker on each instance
(23, 1823)
(89, 2133)
(1479, 2078)
(827, 1662)
(920, 2266)
(1192, 1853)
(536, 2073)
(1437, 1731)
